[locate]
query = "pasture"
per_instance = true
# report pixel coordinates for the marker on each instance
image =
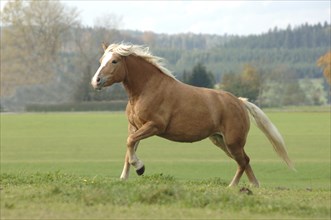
(67, 165)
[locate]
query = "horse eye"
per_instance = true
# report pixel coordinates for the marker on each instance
(114, 61)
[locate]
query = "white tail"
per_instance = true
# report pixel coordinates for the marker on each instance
(269, 129)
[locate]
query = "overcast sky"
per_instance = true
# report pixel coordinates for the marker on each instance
(212, 17)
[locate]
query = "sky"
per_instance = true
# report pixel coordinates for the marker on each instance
(207, 17)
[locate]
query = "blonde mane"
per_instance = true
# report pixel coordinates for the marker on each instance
(140, 51)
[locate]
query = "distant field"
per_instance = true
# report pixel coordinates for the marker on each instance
(67, 165)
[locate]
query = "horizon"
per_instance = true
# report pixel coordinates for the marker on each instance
(226, 34)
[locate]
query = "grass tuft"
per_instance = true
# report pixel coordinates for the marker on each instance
(157, 190)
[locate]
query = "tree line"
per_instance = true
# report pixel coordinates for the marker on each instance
(302, 36)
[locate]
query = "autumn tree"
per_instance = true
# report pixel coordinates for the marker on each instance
(31, 40)
(324, 62)
(250, 81)
(246, 84)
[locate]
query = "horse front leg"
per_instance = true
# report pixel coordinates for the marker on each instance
(133, 160)
(126, 168)
(147, 130)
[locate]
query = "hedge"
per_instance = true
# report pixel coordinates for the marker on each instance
(79, 107)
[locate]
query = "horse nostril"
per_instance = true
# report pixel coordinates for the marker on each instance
(98, 80)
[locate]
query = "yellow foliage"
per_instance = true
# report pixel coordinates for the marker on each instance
(324, 62)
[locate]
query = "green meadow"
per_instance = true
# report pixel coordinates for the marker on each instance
(67, 166)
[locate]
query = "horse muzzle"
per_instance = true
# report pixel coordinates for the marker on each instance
(98, 82)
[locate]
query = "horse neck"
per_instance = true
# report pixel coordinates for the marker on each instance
(141, 76)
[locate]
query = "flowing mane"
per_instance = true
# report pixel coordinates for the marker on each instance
(140, 51)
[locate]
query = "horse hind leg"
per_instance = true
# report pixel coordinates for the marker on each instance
(218, 140)
(237, 153)
(251, 177)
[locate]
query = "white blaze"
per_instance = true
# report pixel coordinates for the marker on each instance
(104, 62)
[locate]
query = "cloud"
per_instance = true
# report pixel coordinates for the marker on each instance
(3, 3)
(214, 17)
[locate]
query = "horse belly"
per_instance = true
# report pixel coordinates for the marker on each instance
(189, 129)
(186, 138)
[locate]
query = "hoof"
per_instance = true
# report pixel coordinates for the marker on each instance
(141, 170)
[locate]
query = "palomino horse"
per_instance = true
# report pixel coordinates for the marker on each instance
(163, 106)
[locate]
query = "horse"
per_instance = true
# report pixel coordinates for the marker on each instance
(159, 104)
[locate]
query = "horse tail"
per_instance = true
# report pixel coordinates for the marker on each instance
(269, 129)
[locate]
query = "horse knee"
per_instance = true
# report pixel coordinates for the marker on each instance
(130, 141)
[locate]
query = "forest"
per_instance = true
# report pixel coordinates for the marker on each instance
(275, 68)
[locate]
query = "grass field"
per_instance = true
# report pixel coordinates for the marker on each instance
(67, 165)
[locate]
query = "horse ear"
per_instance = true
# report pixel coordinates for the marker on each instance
(105, 46)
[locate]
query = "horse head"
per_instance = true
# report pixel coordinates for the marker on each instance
(112, 70)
